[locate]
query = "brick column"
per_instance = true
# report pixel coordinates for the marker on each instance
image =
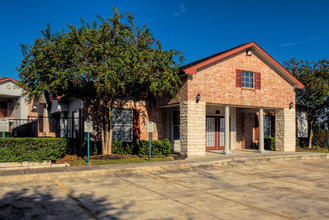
(193, 128)
(285, 130)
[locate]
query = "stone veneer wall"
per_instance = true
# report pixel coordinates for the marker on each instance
(192, 128)
(285, 129)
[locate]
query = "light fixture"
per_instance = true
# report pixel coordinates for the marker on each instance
(291, 104)
(197, 98)
(249, 52)
(217, 112)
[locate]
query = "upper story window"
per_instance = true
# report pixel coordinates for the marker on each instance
(248, 79)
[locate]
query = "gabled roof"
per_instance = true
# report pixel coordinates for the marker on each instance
(192, 68)
(4, 79)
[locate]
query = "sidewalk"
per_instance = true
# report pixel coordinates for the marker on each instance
(212, 158)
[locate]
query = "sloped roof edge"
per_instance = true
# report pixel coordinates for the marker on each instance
(8, 79)
(192, 68)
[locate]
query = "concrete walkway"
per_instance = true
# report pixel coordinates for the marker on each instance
(212, 158)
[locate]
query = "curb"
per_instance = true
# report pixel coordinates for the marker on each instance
(182, 166)
(30, 165)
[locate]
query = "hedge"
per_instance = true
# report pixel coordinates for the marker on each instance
(32, 149)
(40, 149)
(269, 143)
(301, 142)
(78, 147)
(142, 147)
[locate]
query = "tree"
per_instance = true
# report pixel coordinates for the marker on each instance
(314, 99)
(105, 65)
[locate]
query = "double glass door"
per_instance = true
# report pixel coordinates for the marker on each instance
(215, 132)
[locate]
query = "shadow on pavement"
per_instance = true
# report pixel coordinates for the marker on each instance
(34, 204)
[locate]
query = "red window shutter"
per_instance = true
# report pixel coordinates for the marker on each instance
(136, 125)
(257, 81)
(238, 78)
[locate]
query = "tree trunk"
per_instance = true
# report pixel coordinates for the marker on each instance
(107, 133)
(107, 141)
(310, 133)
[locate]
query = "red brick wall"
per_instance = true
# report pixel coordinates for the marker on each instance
(148, 112)
(249, 125)
(217, 84)
(240, 130)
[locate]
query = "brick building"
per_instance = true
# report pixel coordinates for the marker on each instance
(221, 99)
(218, 106)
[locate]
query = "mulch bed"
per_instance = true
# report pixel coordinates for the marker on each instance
(72, 158)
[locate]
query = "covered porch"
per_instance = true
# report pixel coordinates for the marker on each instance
(226, 128)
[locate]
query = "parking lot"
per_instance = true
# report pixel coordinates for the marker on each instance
(281, 190)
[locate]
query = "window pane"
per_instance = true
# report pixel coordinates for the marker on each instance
(176, 118)
(123, 124)
(210, 132)
(176, 123)
(247, 79)
(176, 132)
(267, 126)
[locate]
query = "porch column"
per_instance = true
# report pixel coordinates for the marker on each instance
(227, 132)
(62, 125)
(285, 129)
(193, 128)
(261, 131)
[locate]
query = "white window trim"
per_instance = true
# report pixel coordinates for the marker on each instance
(253, 78)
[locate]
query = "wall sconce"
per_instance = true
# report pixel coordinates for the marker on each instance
(291, 104)
(249, 52)
(197, 98)
(217, 112)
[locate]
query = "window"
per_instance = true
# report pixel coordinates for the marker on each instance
(123, 125)
(267, 126)
(248, 79)
(176, 124)
(3, 109)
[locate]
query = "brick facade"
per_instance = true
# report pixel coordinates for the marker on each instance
(216, 83)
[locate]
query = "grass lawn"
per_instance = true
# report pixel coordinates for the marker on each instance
(317, 150)
(74, 160)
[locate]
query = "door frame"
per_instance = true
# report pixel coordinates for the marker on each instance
(217, 133)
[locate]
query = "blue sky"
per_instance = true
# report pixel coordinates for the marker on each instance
(284, 29)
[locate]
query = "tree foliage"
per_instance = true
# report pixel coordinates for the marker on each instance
(104, 64)
(313, 100)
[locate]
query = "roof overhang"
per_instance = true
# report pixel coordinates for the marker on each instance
(256, 50)
(8, 79)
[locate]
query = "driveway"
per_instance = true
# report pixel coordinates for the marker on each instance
(281, 190)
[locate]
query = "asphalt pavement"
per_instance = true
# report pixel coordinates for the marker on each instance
(212, 158)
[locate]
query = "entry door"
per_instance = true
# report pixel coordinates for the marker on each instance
(215, 133)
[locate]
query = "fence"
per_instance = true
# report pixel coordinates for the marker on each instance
(69, 127)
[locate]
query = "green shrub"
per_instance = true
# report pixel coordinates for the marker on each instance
(301, 142)
(32, 149)
(320, 138)
(142, 147)
(78, 147)
(269, 143)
